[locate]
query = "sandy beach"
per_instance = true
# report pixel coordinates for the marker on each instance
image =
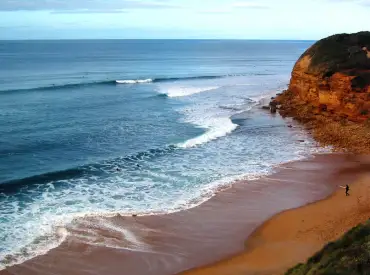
(218, 228)
(293, 236)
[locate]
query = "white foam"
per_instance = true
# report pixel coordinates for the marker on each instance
(215, 187)
(163, 185)
(41, 244)
(219, 127)
(132, 81)
(187, 91)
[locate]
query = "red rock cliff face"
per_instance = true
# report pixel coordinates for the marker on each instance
(333, 76)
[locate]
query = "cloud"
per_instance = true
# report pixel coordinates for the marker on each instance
(365, 3)
(84, 5)
(82, 11)
(235, 6)
(214, 11)
(249, 5)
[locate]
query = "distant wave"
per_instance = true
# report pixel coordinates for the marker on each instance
(190, 78)
(62, 86)
(134, 81)
(186, 91)
(97, 169)
(115, 82)
(169, 79)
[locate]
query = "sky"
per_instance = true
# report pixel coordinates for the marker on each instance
(181, 19)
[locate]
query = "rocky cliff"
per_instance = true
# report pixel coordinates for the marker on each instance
(330, 91)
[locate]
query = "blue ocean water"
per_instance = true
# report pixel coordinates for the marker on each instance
(132, 126)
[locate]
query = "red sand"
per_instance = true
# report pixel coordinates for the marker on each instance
(215, 230)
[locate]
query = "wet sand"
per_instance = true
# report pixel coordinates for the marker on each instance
(217, 229)
(293, 236)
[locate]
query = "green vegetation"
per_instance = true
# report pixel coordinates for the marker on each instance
(364, 112)
(348, 255)
(340, 52)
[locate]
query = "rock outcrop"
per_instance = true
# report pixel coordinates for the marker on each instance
(331, 84)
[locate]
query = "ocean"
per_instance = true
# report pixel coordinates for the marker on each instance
(99, 127)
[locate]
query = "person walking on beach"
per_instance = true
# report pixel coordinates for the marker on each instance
(347, 190)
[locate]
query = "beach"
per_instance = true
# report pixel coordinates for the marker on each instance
(325, 95)
(146, 127)
(184, 173)
(293, 236)
(217, 229)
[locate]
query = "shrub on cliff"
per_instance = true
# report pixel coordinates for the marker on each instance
(348, 255)
(340, 52)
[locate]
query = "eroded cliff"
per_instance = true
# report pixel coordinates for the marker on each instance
(330, 91)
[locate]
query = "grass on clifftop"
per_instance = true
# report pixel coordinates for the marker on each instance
(348, 255)
(339, 52)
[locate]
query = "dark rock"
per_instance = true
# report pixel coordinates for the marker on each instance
(323, 107)
(273, 106)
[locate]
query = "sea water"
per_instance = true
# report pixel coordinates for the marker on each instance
(132, 126)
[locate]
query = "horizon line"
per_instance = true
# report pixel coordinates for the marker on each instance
(214, 39)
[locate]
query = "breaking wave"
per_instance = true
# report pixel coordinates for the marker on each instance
(114, 82)
(219, 128)
(186, 91)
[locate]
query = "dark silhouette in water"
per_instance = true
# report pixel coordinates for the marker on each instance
(347, 190)
(273, 107)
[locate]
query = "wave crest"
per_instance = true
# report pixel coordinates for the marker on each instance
(187, 91)
(59, 177)
(221, 127)
(113, 82)
(134, 81)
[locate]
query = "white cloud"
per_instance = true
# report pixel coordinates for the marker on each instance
(84, 5)
(249, 5)
(215, 11)
(224, 9)
(365, 3)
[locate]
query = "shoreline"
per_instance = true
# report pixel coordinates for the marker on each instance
(168, 244)
(60, 234)
(292, 236)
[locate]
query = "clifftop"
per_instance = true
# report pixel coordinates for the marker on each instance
(347, 53)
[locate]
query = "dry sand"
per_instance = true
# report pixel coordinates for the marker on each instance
(293, 236)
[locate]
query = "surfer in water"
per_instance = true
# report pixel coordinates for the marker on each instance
(347, 190)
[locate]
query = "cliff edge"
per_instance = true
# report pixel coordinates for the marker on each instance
(329, 91)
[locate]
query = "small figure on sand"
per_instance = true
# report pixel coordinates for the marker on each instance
(347, 190)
